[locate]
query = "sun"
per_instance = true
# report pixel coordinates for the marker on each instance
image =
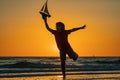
(54, 50)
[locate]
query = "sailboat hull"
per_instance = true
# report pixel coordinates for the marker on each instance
(45, 14)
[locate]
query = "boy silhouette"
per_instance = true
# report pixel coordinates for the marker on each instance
(61, 37)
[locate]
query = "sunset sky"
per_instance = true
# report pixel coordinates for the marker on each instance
(23, 33)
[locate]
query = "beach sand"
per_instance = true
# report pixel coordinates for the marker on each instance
(70, 77)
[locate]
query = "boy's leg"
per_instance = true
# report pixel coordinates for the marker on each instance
(63, 59)
(72, 54)
(63, 68)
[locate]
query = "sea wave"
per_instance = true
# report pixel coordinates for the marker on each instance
(27, 65)
(17, 66)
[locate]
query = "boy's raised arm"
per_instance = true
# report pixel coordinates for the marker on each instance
(46, 24)
(75, 29)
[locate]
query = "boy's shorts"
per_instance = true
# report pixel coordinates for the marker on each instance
(70, 53)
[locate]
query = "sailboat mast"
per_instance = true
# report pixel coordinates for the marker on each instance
(44, 10)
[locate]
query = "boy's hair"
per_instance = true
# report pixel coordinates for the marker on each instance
(62, 25)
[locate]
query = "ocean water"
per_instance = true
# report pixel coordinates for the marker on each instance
(41, 66)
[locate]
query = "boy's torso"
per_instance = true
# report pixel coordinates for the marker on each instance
(62, 39)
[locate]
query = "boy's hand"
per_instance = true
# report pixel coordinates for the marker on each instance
(83, 27)
(44, 17)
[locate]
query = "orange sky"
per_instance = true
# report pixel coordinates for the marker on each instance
(22, 31)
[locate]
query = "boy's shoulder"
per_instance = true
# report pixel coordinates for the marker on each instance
(65, 31)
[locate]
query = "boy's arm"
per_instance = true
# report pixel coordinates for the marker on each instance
(75, 29)
(46, 24)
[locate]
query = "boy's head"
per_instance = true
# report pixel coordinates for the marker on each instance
(60, 26)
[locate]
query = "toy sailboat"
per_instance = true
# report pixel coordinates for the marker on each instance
(44, 11)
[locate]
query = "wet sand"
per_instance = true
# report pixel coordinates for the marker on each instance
(70, 77)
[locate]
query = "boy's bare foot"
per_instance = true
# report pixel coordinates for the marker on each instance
(75, 57)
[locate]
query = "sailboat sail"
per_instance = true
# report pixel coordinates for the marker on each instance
(44, 10)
